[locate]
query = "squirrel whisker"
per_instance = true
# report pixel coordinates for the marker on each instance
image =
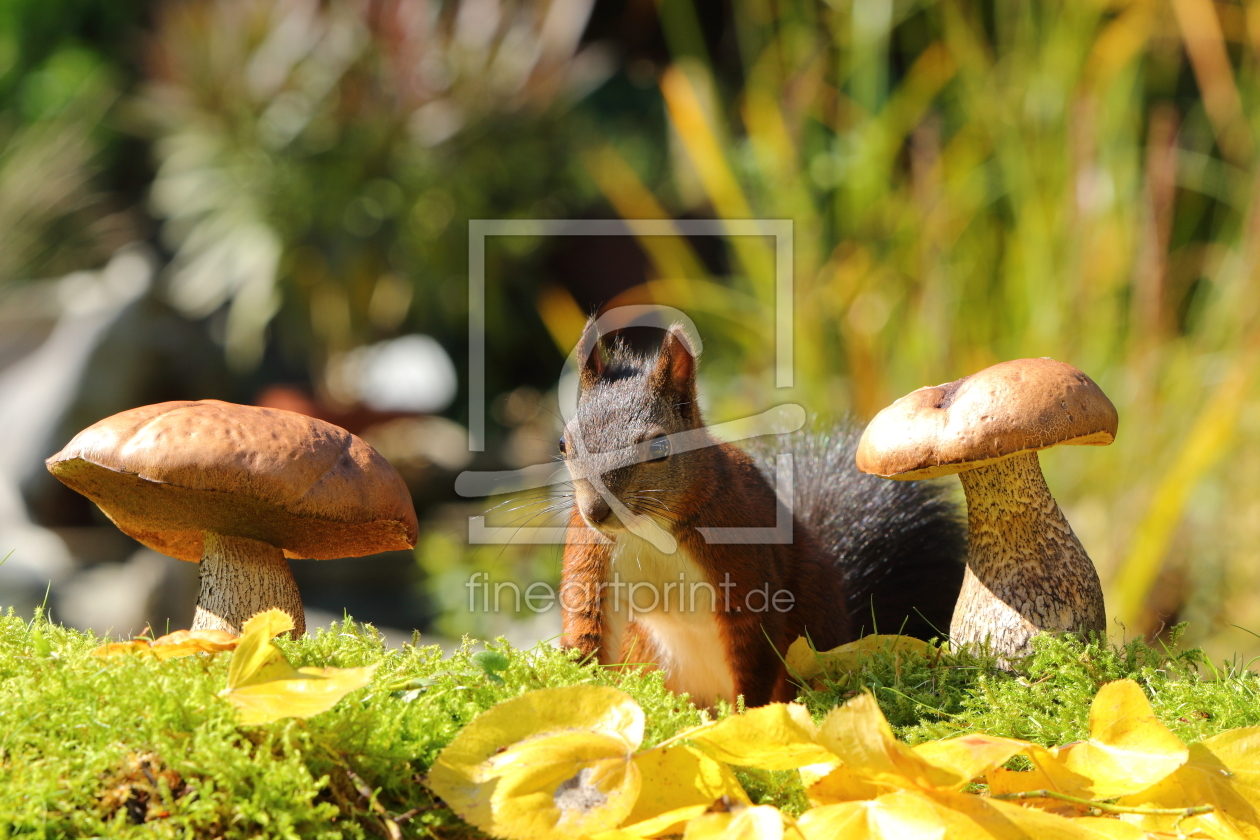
(551, 502)
(526, 519)
(524, 494)
(649, 502)
(654, 508)
(522, 504)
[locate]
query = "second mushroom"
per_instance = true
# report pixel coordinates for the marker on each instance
(1026, 570)
(239, 489)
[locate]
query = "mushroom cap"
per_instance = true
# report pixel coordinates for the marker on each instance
(1017, 406)
(168, 472)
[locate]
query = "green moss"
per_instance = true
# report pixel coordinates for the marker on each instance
(1045, 698)
(92, 746)
(129, 746)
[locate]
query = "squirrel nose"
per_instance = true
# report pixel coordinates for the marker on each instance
(596, 510)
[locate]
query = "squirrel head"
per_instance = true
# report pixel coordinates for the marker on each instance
(618, 445)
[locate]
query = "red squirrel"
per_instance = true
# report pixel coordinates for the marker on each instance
(718, 617)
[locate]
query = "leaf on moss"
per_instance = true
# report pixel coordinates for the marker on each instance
(188, 642)
(1128, 748)
(807, 664)
(1047, 773)
(555, 762)
(736, 821)
(894, 816)
(968, 756)
(172, 645)
(843, 784)
(256, 658)
(780, 736)
(919, 788)
(1223, 771)
(667, 824)
(966, 815)
(860, 736)
(1110, 828)
(264, 687)
(680, 776)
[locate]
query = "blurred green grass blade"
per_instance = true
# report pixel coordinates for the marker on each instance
(700, 138)
(1206, 442)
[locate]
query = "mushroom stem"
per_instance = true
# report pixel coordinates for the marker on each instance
(1026, 570)
(240, 578)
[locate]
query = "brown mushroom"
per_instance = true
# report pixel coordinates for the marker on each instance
(1026, 570)
(239, 488)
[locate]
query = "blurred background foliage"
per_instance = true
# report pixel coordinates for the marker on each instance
(967, 181)
(63, 173)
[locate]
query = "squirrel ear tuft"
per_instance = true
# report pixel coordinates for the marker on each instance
(676, 365)
(590, 361)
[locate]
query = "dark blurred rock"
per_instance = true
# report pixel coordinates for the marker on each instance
(381, 588)
(37, 392)
(148, 590)
(148, 354)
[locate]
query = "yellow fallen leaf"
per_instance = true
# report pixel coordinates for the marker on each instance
(669, 823)
(859, 735)
(968, 756)
(740, 822)
(587, 708)
(843, 784)
(806, 663)
(936, 813)
(679, 776)
(256, 657)
(900, 815)
(1109, 828)
(780, 736)
(188, 642)
(298, 693)
(556, 762)
(812, 773)
(172, 645)
(968, 816)
(561, 785)
(618, 834)
(1047, 773)
(1212, 825)
(264, 687)
(854, 801)
(1128, 748)
(1223, 771)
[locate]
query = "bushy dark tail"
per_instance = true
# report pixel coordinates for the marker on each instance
(901, 546)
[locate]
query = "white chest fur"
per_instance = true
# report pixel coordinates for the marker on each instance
(671, 598)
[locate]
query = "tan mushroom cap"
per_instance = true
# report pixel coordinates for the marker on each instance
(1017, 406)
(168, 472)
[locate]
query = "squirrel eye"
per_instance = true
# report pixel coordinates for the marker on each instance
(658, 449)
(562, 449)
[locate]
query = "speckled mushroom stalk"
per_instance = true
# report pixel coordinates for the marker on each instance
(1026, 570)
(240, 578)
(1006, 599)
